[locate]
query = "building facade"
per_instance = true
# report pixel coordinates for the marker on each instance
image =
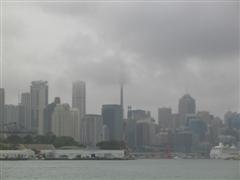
(48, 111)
(2, 104)
(112, 118)
(186, 106)
(39, 101)
(79, 97)
(91, 129)
(61, 121)
(26, 109)
(165, 118)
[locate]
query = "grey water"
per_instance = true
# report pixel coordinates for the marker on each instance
(121, 170)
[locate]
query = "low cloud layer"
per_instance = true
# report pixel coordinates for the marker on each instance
(160, 51)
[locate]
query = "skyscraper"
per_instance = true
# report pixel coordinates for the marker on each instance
(79, 97)
(48, 111)
(39, 101)
(2, 103)
(61, 121)
(186, 106)
(26, 109)
(112, 118)
(92, 129)
(165, 119)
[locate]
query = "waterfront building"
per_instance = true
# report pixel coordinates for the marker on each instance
(17, 154)
(112, 118)
(165, 119)
(182, 141)
(187, 105)
(91, 129)
(83, 154)
(79, 97)
(39, 101)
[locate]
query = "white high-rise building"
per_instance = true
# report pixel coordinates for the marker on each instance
(39, 101)
(91, 129)
(61, 121)
(79, 97)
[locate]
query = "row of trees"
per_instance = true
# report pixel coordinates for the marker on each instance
(41, 139)
(50, 138)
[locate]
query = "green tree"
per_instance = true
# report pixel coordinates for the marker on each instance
(112, 145)
(14, 139)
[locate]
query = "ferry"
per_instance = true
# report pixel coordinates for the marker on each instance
(224, 152)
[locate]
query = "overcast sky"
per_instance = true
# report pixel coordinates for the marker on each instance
(160, 50)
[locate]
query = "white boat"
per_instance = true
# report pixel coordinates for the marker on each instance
(224, 152)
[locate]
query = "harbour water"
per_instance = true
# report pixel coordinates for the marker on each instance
(121, 170)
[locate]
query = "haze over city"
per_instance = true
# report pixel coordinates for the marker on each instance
(130, 89)
(159, 50)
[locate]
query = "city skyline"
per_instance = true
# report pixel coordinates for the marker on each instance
(158, 62)
(118, 98)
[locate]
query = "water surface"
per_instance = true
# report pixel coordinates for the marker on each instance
(121, 170)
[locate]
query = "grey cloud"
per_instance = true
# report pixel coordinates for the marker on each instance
(158, 51)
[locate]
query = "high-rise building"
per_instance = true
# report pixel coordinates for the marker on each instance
(75, 119)
(186, 106)
(79, 97)
(62, 124)
(133, 117)
(165, 118)
(112, 118)
(2, 103)
(48, 111)
(11, 113)
(39, 101)
(91, 129)
(145, 131)
(26, 109)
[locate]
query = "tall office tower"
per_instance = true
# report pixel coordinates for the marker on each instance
(48, 111)
(79, 97)
(62, 124)
(186, 106)
(165, 119)
(2, 104)
(26, 109)
(39, 101)
(92, 129)
(112, 118)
